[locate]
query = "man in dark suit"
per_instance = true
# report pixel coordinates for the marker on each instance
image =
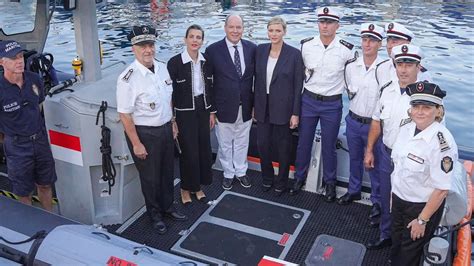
(279, 78)
(232, 67)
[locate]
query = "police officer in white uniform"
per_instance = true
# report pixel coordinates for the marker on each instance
(363, 95)
(397, 34)
(324, 58)
(390, 114)
(423, 156)
(144, 105)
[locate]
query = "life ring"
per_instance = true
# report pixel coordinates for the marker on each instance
(464, 241)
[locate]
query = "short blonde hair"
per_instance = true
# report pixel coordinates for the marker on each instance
(277, 20)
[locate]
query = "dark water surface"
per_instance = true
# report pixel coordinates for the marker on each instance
(444, 30)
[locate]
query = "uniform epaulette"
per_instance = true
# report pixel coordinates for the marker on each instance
(352, 60)
(423, 69)
(385, 86)
(347, 44)
(127, 75)
(161, 61)
(306, 40)
(443, 145)
(405, 122)
(386, 60)
(377, 68)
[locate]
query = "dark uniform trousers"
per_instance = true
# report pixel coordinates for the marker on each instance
(404, 250)
(267, 134)
(195, 161)
(156, 171)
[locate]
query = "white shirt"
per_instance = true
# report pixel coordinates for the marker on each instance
(198, 80)
(420, 163)
(230, 47)
(270, 67)
(392, 111)
(362, 82)
(145, 95)
(327, 65)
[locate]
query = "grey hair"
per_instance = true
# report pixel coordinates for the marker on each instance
(277, 20)
(231, 15)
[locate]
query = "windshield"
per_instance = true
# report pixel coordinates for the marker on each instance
(17, 16)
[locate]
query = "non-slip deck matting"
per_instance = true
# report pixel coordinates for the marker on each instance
(240, 229)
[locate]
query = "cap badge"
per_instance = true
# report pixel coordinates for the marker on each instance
(420, 87)
(404, 49)
(390, 26)
(326, 10)
(371, 27)
(145, 30)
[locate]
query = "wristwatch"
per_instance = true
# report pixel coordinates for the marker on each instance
(421, 221)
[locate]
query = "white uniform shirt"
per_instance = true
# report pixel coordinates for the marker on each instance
(327, 65)
(362, 82)
(230, 47)
(198, 80)
(422, 163)
(392, 110)
(145, 95)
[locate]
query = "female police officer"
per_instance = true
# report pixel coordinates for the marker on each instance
(423, 157)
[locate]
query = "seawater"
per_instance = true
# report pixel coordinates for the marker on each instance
(444, 30)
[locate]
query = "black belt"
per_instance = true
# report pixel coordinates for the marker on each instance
(360, 119)
(199, 96)
(150, 127)
(27, 138)
(322, 97)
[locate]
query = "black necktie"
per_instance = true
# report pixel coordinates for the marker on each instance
(237, 64)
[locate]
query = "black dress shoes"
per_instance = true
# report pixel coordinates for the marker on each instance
(379, 243)
(374, 222)
(266, 187)
(176, 216)
(330, 195)
(348, 198)
(375, 211)
(279, 192)
(296, 187)
(160, 227)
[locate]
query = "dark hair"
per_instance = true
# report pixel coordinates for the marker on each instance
(194, 27)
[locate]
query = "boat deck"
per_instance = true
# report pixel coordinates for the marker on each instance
(346, 222)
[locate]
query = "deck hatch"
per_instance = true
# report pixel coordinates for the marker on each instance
(241, 229)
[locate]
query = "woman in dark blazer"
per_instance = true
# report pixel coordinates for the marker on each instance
(192, 105)
(279, 78)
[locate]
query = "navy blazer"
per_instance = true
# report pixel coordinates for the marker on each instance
(229, 90)
(286, 85)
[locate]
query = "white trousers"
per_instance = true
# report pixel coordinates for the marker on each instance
(233, 141)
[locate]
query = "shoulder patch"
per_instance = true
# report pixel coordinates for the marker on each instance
(385, 86)
(306, 40)
(127, 75)
(447, 164)
(443, 145)
(423, 69)
(347, 44)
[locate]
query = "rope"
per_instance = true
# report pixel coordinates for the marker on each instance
(108, 168)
